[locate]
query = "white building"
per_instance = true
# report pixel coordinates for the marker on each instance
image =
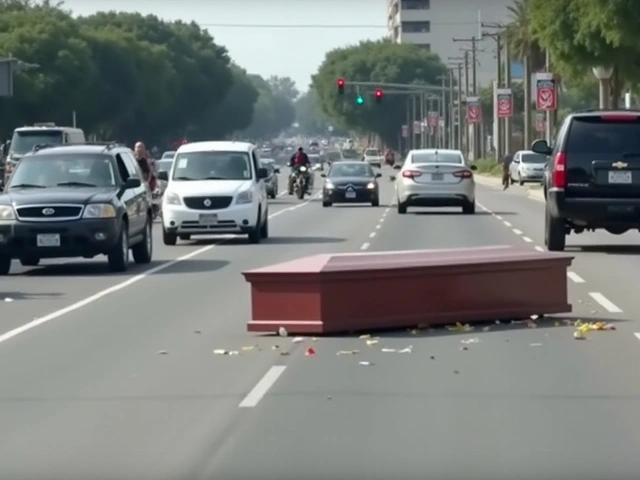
(433, 24)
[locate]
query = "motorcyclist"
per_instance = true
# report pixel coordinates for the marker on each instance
(297, 160)
(506, 165)
(389, 157)
(146, 165)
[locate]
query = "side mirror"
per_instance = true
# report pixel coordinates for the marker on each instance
(263, 173)
(473, 168)
(541, 147)
(132, 183)
(323, 175)
(277, 170)
(397, 167)
(163, 175)
(392, 178)
(378, 175)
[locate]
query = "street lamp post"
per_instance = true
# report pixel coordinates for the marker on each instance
(603, 74)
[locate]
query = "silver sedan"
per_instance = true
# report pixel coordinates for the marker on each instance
(435, 178)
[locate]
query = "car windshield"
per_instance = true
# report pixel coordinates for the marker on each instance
(167, 155)
(212, 166)
(595, 137)
(533, 158)
(24, 141)
(436, 157)
(371, 152)
(268, 166)
(164, 165)
(75, 170)
(351, 170)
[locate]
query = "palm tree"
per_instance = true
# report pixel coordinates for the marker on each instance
(524, 48)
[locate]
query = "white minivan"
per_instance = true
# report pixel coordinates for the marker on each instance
(215, 188)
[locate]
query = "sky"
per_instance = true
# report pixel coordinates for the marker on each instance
(264, 36)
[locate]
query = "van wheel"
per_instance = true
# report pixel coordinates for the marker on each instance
(520, 181)
(254, 234)
(118, 257)
(5, 264)
(554, 232)
(264, 229)
(402, 208)
(29, 261)
(169, 238)
(143, 251)
(469, 208)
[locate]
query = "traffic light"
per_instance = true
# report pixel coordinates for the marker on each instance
(378, 96)
(360, 100)
(340, 86)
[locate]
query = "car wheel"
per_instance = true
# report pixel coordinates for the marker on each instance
(520, 181)
(185, 236)
(29, 261)
(375, 202)
(5, 264)
(143, 251)
(264, 229)
(554, 232)
(272, 196)
(469, 208)
(169, 238)
(326, 204)
(254, 234)
(118, 257)
(402, 208)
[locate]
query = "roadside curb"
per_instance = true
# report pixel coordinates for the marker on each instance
(488, 180)
(536, 194)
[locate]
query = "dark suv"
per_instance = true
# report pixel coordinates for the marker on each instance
(593, 177)
(76, 201)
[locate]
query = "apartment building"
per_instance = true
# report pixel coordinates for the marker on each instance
(432, 24)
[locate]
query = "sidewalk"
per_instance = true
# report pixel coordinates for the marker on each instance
(534, 193)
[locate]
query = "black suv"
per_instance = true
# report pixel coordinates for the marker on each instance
(76, 201)
(593, 176)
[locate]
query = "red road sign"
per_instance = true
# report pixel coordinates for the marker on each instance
(474, 113)
(546, 94)
(504, 105)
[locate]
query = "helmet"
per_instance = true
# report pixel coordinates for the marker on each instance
(300, 149)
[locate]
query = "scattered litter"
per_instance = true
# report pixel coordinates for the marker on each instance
(583, 328)
(532, 325)
(432, 357)
(225, 352)
(366, 364)
(283, 332)
(470, 341)
(594, 311)
(234, 352)
(348, 352)
(578, 335)
(219, 352)
(464, 348)
(297, 340)
(372, 342)
(7, 299)
(248, 348)
(314, 339)
(497, 322)
(329, 397)
(486, 329)
(534, 317)
(414, 332)
(556, 324)
(310, 352)
(535, 344)
(198, 331)
(284, 353)
(409, 349)
(275, 347)
(162, 352)
(389, 350)
(456, 372)
(458, 327)
(363, 337)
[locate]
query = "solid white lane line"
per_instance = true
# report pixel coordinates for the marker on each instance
(527, 239)
(498, 217)
(365, 246)
(575, 277)
(637, 334)
(507, 224)
(115, 288)
(517, 232)
(262, 387)
(605, 302)
(373, 234)
(539, 248)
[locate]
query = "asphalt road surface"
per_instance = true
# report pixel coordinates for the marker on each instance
(114, 377)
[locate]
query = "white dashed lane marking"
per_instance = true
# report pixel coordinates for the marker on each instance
(365, 246)
(539, 248)
(517, 232)
(575, 277)
(605, 302)
(527, 239)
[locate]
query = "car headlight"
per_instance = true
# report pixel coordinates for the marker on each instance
(245, 197)
(371, 185)
(303, 169)
(328, 185)
(171, 198)
(99, 210)
(7, 213)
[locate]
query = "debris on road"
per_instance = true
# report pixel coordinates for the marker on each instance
(372, 342)
(578, 335)
(389, 350)
(314, 339)
(283, 332)
(486, 329)
(249, 348)
(414, 332)
(297, 340)
(162, 352)
(284, 353)
(310, 352)
(348, 352)
(409, 349)
(432, 357)
(458, 327)
(366, 364)
(470, 341)
(464, 348)
(221, 351)
(197, 331)
(364, 337)
(535, 344)
(456, 372)
(583, 328)
(7, 299)
(275, 347)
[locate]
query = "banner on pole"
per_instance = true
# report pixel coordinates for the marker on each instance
(503, 102)
(546, 92)
(433, 118)
(474, 110)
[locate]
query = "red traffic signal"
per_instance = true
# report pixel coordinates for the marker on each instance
(340, 86)
(378, 96)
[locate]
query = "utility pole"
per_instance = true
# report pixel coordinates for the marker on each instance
(508, 124)
(452, 123)
(442, 137)
(474, 88)
(499, 130)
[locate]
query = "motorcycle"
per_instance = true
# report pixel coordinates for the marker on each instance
(389, 160)
(300, 182)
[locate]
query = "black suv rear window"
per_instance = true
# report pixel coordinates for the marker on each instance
(593, 135)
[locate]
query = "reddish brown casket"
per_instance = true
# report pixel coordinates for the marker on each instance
(365, 291)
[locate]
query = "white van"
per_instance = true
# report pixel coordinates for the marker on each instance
(25, 138)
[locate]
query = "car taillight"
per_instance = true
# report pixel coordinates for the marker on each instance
(463, 174)
(619, 117)
(411, 174)
(559, 173)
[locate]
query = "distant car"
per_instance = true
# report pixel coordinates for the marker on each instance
(527, 166)
(435, 178)
(350, 182)
(168, 155)
(76, 201)
(215, 188)
(317, 162)
(271, 182)
(331, 156)
(373, 157)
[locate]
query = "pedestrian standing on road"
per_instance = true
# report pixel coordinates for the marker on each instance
(506, 164)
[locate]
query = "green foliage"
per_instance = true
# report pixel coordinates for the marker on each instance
(381, 61)
(284, 87)
(273, 112)
(128, 77)
(488, 166)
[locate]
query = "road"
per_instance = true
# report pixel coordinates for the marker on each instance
(117, 378)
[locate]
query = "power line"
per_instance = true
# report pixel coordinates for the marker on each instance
(326, 26)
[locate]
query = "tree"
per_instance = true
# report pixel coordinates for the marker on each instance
(284, 86)
(273, 112)
(381, 61)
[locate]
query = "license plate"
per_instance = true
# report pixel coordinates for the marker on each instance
(48, 240)
(437, 177)
(208, 219)
(350, 195)
(620, 177)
